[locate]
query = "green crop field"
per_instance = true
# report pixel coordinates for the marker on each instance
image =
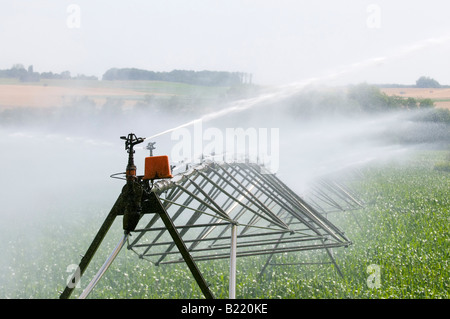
(401, 249)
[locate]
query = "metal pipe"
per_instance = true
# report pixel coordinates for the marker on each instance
(232, 289)
(182, 249)
(241, 203)
(216, 238)
(259, 252)
(179, 227)
(245, 244)
(104, 268)
(255, 201)
(175, 216)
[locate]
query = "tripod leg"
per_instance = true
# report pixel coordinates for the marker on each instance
(181, 246)
(116, 210)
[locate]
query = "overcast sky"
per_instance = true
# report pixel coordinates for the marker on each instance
(278, 41)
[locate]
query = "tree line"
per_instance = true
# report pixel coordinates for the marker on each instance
(354, 99)
(423, 82)
(207, 78)
(18, 71)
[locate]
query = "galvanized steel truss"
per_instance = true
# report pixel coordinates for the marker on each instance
(223, 210)
(205, 201)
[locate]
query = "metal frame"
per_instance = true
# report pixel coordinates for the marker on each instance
(331, 194)
(210, 199)
(217, 211)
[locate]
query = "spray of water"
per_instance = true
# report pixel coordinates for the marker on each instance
(287, 90)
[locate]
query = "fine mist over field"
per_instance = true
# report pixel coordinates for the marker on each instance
(71, 157)
(56, 165)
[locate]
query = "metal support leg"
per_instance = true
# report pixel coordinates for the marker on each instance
(232, 289)
(104, 268)
(333, 261)
(116, 210)
(181, 247)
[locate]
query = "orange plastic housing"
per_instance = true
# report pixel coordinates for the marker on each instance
(157, 167)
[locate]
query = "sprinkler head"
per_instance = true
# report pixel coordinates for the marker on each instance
(130, 141)
(151, 147)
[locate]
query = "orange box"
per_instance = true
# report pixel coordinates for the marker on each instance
(157, 167)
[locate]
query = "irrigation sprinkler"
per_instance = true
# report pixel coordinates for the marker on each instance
(211, 211)
(135, 200)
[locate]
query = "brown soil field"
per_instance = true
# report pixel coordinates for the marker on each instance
(15, 95)
(19, 95)
(441, 97)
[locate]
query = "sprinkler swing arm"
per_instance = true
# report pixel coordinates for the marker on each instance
(135, 200)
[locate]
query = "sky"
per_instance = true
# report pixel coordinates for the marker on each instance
(277, 41)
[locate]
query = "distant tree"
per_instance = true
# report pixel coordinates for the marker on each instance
(29, 75)
(207, 78)
(17, 71)
(411, 103)
(437, 115)
(370, 98)
(425, 103)
(85, 77)
(49, 75)
(18, 66)
(427, 82)
(65, 75)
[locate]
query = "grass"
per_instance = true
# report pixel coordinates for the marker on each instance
(407, 231)
(403, 230)
(149, 87)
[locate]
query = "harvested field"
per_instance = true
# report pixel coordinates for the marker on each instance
(12, 95)
(62, 92)
(441, 97)
(58, 93)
